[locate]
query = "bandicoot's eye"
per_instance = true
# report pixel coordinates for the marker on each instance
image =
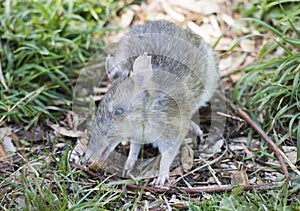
(119, 111)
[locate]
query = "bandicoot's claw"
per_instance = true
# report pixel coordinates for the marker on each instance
(161, 179)
(196, 130)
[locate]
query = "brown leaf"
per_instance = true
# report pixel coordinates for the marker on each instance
(291, 153)
(65, 132)
(172, 13)
(126, 18)
(199, 31)
(239, 178)
(79, 150)
(3, 154)
(187, 157)
(7, 145)
(248, 45)
(197, 6)
(211, 146)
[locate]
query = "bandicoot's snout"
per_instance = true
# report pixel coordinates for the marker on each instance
(99, 152)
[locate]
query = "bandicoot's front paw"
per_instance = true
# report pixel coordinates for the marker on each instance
(161, 179)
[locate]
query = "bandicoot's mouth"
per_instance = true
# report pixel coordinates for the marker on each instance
(100, 156)
(93, 157)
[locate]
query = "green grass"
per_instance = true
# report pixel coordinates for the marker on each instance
(55, 185)
(42, 44)
(252, 201)
(270, 89)
(271, 84)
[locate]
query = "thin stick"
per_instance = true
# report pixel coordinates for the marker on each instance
(278, 153)
(207, 189)
(212, 172)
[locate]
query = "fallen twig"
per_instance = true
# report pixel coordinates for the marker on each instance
(278, 153)
(181, 190)
(207, 189)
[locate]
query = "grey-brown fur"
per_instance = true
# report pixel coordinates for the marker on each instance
(161, 74)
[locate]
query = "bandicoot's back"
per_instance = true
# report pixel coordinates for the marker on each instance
(170, 46)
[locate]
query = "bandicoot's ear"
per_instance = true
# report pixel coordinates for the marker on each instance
(109, 65)
(113, 71)
(142, 69)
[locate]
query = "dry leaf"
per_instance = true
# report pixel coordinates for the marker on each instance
(210, 147)
(3, 153)
(227, 19)
(248, 45)
(79, 150)
(291, 153)
(197, 6)
(173, 14)
(126, 18)
(228, 166)
(199, 31)
(65, 132)
(187, 157)
(7, 145)
(235, 77)
(237, 143)
(225, 63)
(224, 44)
(215, 25)
(239, 178)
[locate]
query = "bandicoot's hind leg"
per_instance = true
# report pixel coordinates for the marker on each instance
(132, 157)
